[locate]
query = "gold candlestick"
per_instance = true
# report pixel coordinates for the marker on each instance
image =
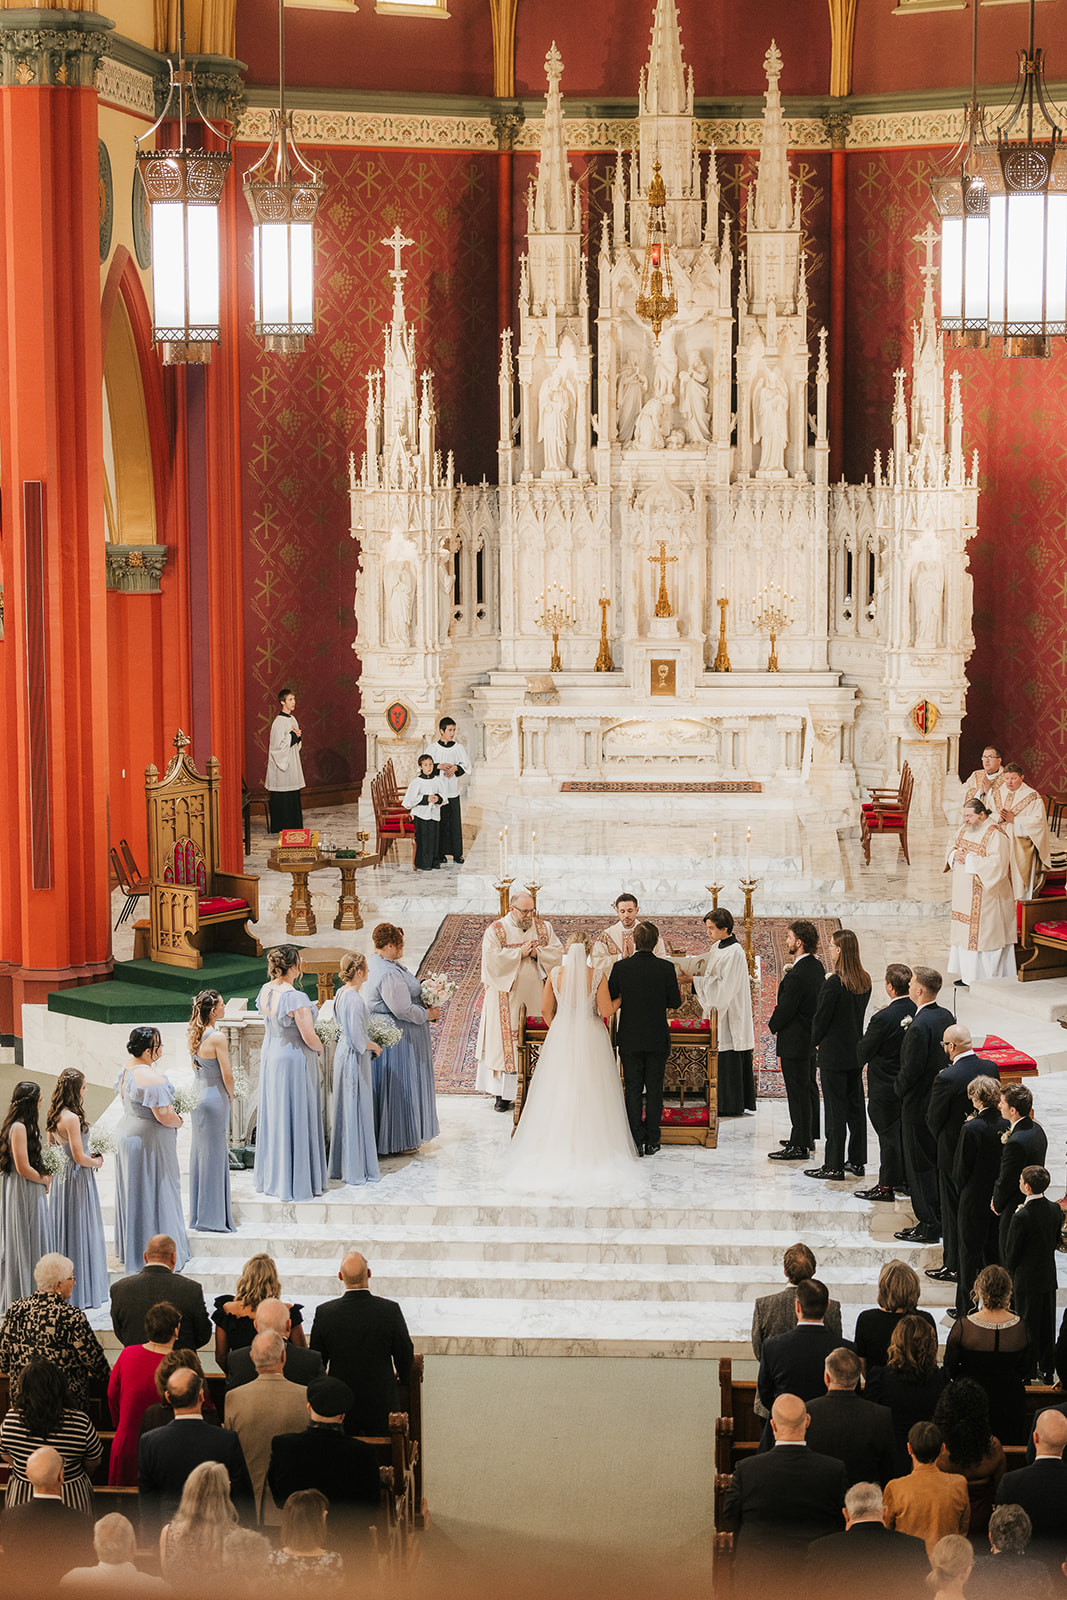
(722, 658)
(531, 890)
(503, 888)
(604, 662)
(663, 599)
(747, 885)
(557, 614)
(715, 890)
(771, 615)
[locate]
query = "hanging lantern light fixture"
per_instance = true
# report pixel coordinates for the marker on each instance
(962, 202)
(1026, 177)
(184, 187)
(657, 300)
(283, 194)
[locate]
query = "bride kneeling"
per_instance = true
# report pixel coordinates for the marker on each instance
(573, 1132)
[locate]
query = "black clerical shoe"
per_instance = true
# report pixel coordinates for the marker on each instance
(502, 1104)
(919, 1234)
(910, 1234)
(651, 1149)
(879, 1192)
(952, 1314)
(959, 984)
(942, 1274)
(457, 861)
(854, 1169)
(835, 1174)
(790, 1152)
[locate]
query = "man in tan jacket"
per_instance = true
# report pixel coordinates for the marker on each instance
(257, 1411)
(929, 1503)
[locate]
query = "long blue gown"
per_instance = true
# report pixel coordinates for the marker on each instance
(148, 1187)
(290, 1144)
(23, 1235)
(353, 1154)
(209, 1163)
(76, 1229)
(405, 1102)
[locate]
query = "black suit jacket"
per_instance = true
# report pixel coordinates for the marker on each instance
(131, 1297)
(793, 1363)
(321, 1457)
(648, 988)
(1041, 1490)
(870, 1560)
(879, 1049)
(855, 1432)
(978, 1153)
(301, 1366)
(364, 1341)
(1030, 1254)
(795, 1006)
(1031, 1448)
(838, 1025)
(42, 1540)
(166, 1456)
(779, 1502)
(921, 1059)
(950, 1106)
(1026, 1147)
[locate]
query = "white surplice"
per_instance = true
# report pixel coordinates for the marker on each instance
(511, 980)
(727, 988)
(984, 880)
(615, 944)
(284, 767)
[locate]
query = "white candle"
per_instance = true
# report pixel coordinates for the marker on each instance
(748, 847)
(715, 858)
(501, 858)
(533, 858)
(505, 852)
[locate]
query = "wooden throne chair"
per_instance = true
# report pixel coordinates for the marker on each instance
(194, 907)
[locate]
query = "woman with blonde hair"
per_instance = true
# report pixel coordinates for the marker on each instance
(234, 1315)
(303, 1556)
(290, 1144)
(353, 1148)
(75, 1220)
(209, 1164)
(193, 1543)
(951, 1563)
(991, 1345)
(898, 1296)
(911, 1382)
(835, 1035)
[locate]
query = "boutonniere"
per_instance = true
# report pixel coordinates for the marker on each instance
(1005, 1136)
(905, 1022)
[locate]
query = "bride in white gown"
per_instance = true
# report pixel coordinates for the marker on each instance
(573, 1134)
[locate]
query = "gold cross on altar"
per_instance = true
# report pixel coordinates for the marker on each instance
(663, 602)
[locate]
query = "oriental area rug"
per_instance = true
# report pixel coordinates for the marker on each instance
(457, 951)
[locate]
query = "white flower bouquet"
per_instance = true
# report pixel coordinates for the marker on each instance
(241, 1085)
(53, 1159)
(185, 1100)
(437, 989)
(100, 1140)
(327, 1030)
(383, 1032)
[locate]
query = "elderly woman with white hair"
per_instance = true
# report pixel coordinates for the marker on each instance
(47, 1324)
(41, 1414)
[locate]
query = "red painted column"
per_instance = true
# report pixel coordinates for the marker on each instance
(54, 892)
(838, 239)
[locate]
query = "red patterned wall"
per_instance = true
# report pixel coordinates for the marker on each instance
(1015, 414)
(301, 416)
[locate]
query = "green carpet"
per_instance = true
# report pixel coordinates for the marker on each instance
(142, 991)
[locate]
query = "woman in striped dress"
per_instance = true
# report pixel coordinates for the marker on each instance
(40, 1415)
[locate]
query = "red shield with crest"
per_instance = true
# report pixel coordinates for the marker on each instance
(397, 716)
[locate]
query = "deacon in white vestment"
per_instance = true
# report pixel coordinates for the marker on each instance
(726, 987)
(285, 774)
(984, 890)
(617, 942)
(518, 953)
(987, 781)
(1022, 815)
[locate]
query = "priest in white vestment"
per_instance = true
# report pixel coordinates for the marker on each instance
(726, 987)
(617, 942)
(518, 953)
(1022, 815)
(987, 781)
(984, 880)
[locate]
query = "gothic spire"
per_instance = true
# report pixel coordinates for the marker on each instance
(773, 192)
(552, 199)
(665, 91)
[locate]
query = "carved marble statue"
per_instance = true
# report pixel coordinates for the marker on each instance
(652, 424)
(632, 388)
(771, 420)
(399, 603)
(555, 406)
(927, 590)
(693, 400)
(666, 375)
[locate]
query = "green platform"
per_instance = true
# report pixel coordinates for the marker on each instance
(148, 991)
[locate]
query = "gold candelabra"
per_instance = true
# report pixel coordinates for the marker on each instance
(503, 888)
(747, 885)
(604, 662)
(558, 613)
(715, 890)
(772, 615)
(722, 657)
(663, 599)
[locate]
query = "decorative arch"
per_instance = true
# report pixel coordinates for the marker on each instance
(135, 406)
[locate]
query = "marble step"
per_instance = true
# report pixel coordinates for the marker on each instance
(1042, 1001)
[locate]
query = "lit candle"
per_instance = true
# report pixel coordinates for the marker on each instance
(748, 848)
(715, 858)
(505, 852)
(533, 858)
(501, 858)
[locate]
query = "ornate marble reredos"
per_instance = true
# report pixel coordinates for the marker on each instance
(712, 439)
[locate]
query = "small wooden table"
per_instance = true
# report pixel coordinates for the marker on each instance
(300, 918)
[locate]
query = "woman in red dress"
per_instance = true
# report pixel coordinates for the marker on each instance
(132, 1388)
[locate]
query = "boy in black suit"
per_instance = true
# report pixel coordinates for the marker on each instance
(1033, 1235)
(790, 1022)
(1025, 1146)
(879, 1051)
(646, 988)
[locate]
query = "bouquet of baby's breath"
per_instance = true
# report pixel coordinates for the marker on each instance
(328, 1031)
(53, 1159)
(383, 1032)
(185, 1100)
(437, 989)
(100, 1140)
(241, 1085)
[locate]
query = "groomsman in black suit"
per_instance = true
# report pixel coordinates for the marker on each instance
(1025, 1146)
(646, 988)
(790, 1022)
(921, 1059)
(949, 1108)
(1033, 1235)
(879, 1051)
(974, 1175)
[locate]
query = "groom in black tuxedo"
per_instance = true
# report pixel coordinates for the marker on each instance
(646, 987)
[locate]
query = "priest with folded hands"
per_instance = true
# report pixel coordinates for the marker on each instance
(1021, 812)
(984, 880)
(518, 953)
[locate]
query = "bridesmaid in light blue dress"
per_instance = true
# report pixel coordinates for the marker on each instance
(405, 1101)
(24, 1189)
(75, 1221)
(353, 1155)
(148, 1189)
(209, 1165)
(290, 1146)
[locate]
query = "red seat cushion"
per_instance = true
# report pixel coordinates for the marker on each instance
(992, 1042)
(211, 904)
(536, 1022)
(1051, 930)
(1054, 886)
(695, 1116)
(688, 1025)
(883, 819)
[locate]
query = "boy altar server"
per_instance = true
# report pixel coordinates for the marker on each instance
(518, 953)
(453, 763)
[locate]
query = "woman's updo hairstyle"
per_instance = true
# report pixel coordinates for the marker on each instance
(352, 963)
(203, 1006)
(282, 960)
(582, 938)
(387, 933)
(142, 1039)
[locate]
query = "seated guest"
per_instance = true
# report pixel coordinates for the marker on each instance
(43, 1538)
(1041, 1489)
(303, 1557)
(246, 1564)
(47, 1324)
(1007, 1569)
(794, 1362)
(132, 1388)
(1030, 1256)
(991, 1345)
(258, 1411)
(39, 1416)
(364, 1341)
(192, 1546)
(777, 1313)
(167, 1456)
(159, 1414)
(868, 1559)
(323, 1457)
(951, 1563)
(845, 1425)
(157, 1280)
(928, 1503)
(971, 1450)
(234, 1315)
(301, 1364)
(910, 1383)
(115, 1571)
(898, 1296)
(779, 1502)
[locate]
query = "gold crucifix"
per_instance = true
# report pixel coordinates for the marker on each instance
(663, 601)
